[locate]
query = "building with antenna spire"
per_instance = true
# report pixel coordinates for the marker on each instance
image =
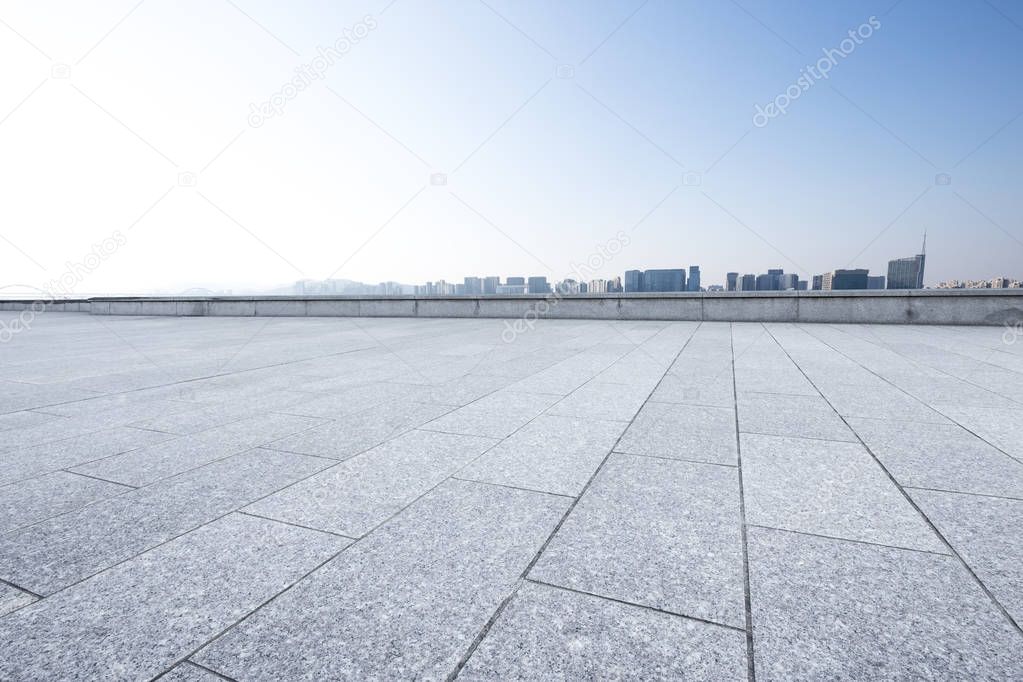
(908, 273)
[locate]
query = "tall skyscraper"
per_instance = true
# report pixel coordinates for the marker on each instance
(515, 281)
(748, 283)
(908, 273)
(875, 282)
(693, 284)
(490, 285)
(473, 286)
(731, 281)
(818, 283)
(787, 281)
(633, 281)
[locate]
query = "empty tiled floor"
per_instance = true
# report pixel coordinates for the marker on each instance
(423, 499)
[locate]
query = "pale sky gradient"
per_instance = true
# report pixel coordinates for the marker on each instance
(105, 105)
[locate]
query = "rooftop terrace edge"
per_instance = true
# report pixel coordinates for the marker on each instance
(927, 306)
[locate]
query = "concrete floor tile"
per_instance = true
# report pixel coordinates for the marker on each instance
(552, 453)
(655, 532)
(48, 495)
(495, 416)
(941, 456)
(12, 599)
(985, 531)
(550, 633)
(359, 432)
(135, 620)
(692, 432)
(56, 553)
(596, 400)
(146, 465)
(412, 595)
(831, 609)
(362, 492)
(791, 415)
(828, 488)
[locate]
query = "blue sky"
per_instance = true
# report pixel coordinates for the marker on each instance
(558, 125)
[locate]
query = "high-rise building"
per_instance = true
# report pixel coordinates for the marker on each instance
(818, 283)
(787, 281)
(633, 281)
(875, 282)
(515, 281)
(693, 283)
(664, 280)
(614, 286)
(584, 288)
(844, 280)
(490, 285)
(473, 286)
(748, 283)
(732, 281)
(908, 273)
(766, 283)
(538, 285)
(801, 285)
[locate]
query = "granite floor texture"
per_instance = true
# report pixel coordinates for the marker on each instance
(374, 498)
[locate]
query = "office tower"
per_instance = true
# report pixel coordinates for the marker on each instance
(732, 281)
(693, 284)
(664, 280)
(614, 286)
(490, 284)
(597, 286)
(515, 281)
(633, 281)
(473, 286)
(567, 286)
(584, 288)
(844, 280)
(801, 285)
(908, 273)
(787, 281)
(818, 283)
(765, 283)
(538, 285)
(748, 283)
(875, 282)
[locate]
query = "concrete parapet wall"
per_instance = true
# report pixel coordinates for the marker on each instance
(929, 306)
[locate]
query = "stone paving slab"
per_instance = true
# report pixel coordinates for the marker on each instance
(24, 463)
(66, 549)
(791, 415)
(988, 533)
(828, 488)
(181, 595)
(940, 456)
(411, 597)
(552, 453)
(830, 609)
(359, 432)
(12, 599)
(148, 465)
(353, 497)
(551, 633)
(657, 532)
(49, 495)
(690, 432)
(497, 415)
